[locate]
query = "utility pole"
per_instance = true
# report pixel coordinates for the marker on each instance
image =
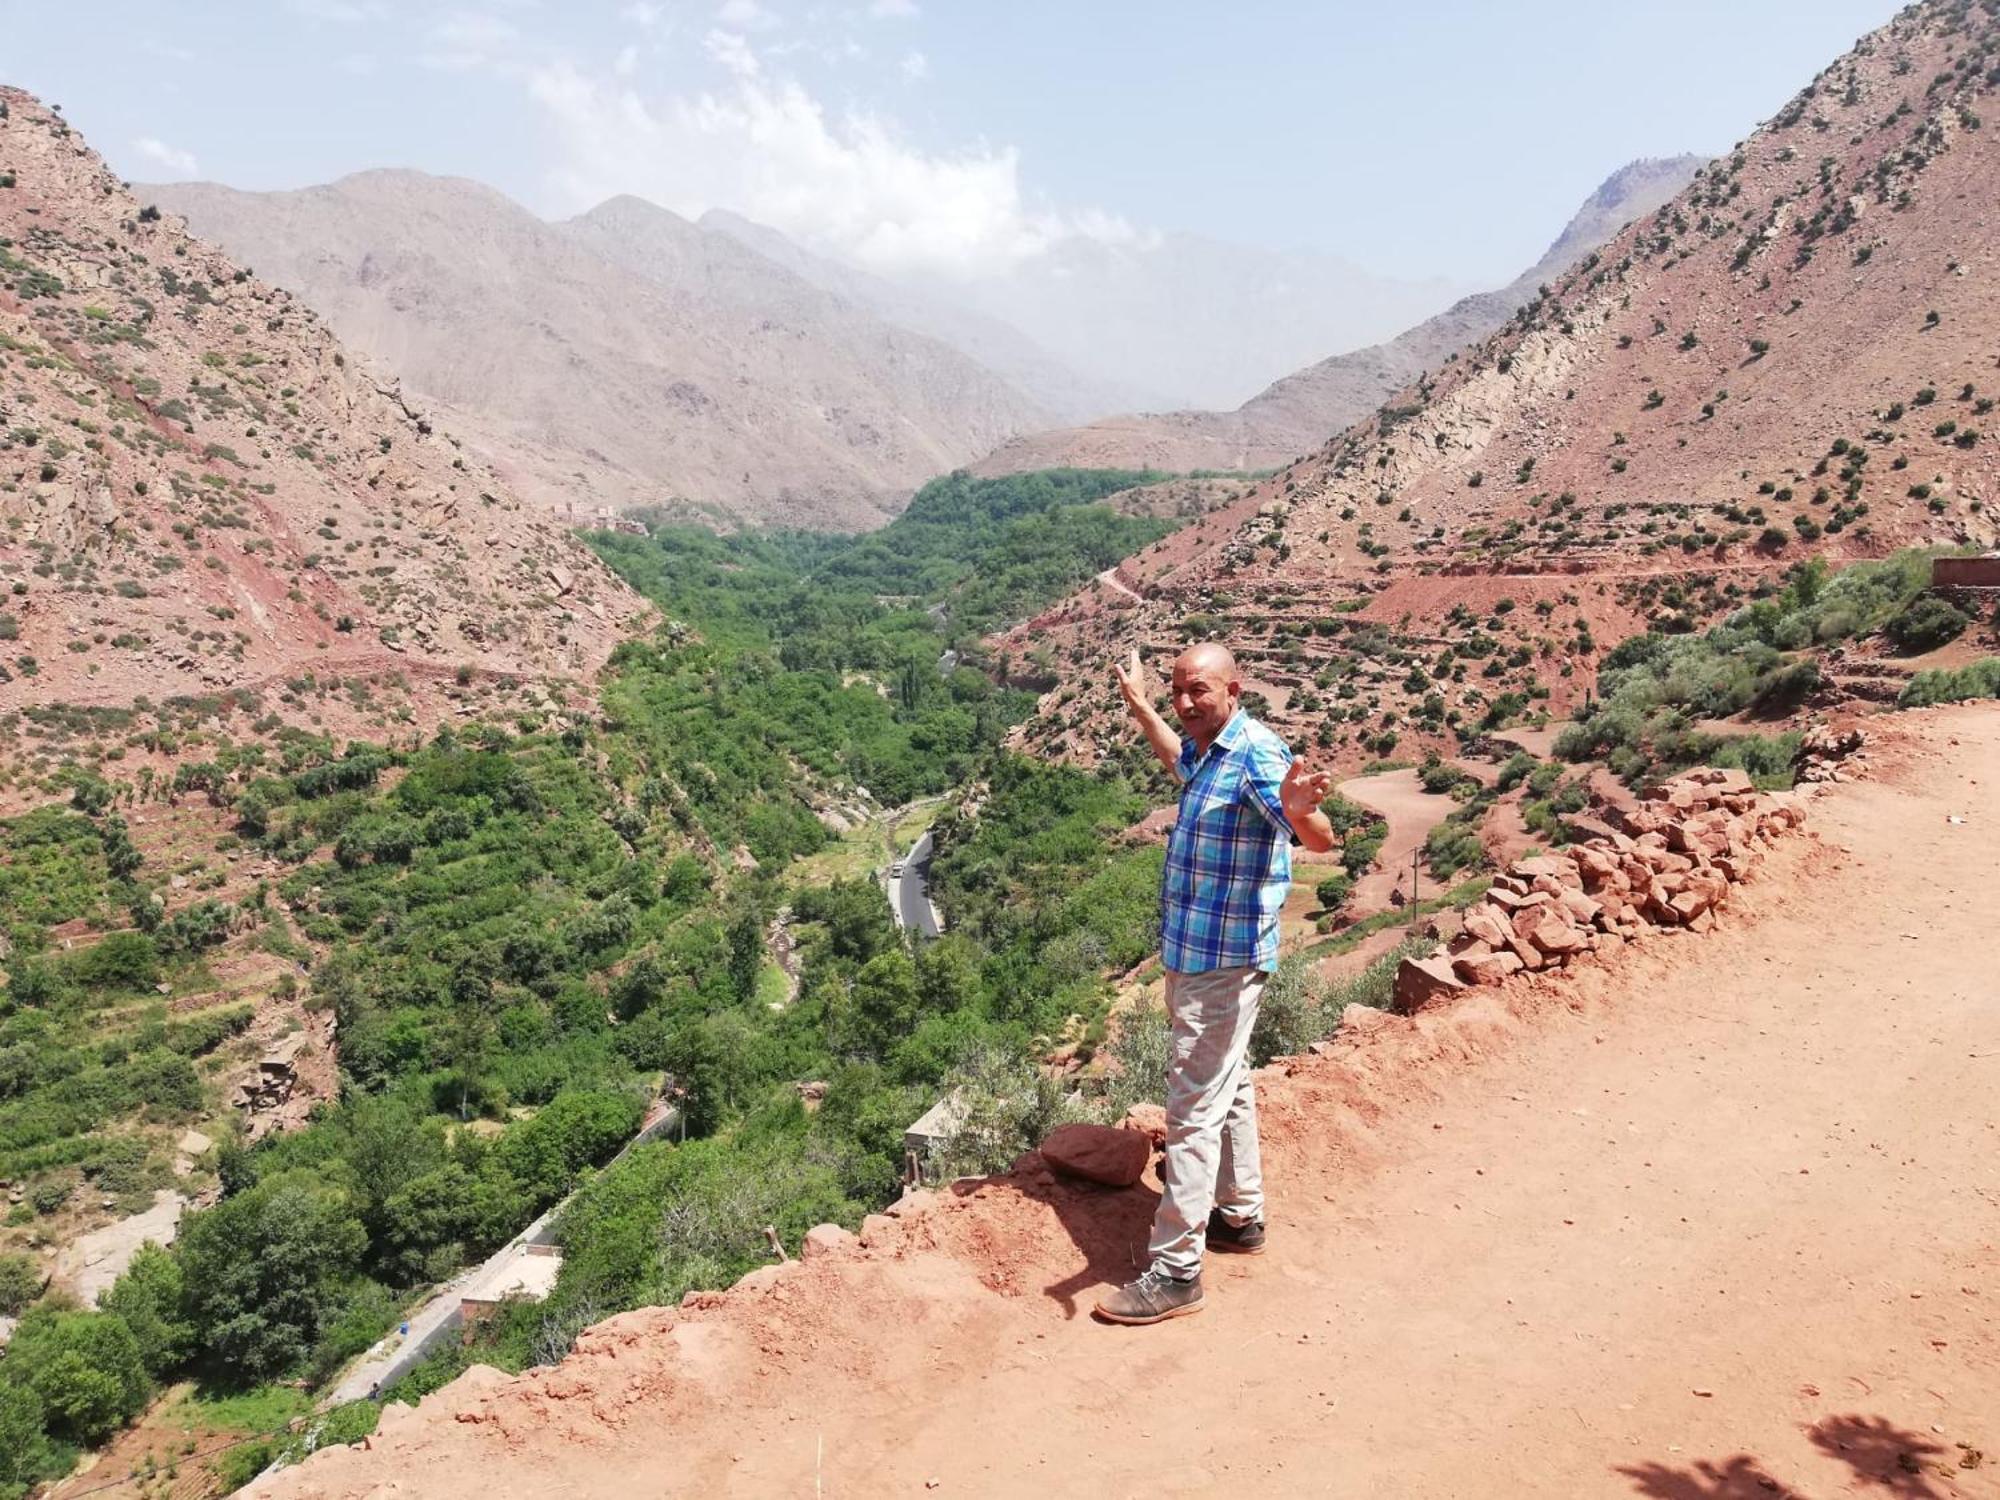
(1415, 855)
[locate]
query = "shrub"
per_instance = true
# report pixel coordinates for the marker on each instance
(1925, 624)
(1334, 891)
(20, 1282)
(84, 1368)
(1981, 679)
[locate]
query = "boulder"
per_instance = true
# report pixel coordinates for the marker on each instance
(1493, 968)
(1098, 1153)
(1420, 980)
(826, 1239)
(1555, 936)
(1485, 925)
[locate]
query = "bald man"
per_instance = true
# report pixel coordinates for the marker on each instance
(1244, 798)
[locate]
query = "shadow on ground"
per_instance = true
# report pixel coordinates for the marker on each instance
(1108, 1226)
(1882, 1455)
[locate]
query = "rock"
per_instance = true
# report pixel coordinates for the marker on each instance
(1420, 980)
(1491, 969)
(826, 1239)
(1555, 936)
(1150, 1120)
(193, 1143)
(1098, 1153)
(1482, 924)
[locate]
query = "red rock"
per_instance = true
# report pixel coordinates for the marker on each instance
(1420, 980)
(1150, 1120)
(1492, 969)
(1555, 936)
(1098, 1153)
(825, 1239)
(1486, 925)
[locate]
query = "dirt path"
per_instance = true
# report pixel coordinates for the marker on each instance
(1412, 813)
(1720, 1221)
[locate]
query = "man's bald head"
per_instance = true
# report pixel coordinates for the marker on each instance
(1207, 688)
(1208, 656)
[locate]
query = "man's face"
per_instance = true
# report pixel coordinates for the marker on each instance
(1204, 697)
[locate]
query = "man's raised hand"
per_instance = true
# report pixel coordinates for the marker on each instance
(1303, 789)
(1131, 679)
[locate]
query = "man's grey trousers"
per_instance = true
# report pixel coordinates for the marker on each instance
(1212, 1159)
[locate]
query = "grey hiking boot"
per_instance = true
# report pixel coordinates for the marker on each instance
(1153, 1298)
(1235, 1239)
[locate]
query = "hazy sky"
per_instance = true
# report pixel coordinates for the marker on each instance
(1447, 139)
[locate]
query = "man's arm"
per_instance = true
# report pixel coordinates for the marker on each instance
(1288, 793)
(1159, 733)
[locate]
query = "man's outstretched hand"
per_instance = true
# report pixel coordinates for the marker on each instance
(1131, 680)
(1302, 790)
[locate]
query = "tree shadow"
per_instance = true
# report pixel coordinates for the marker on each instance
(1108, 1226)
(1882, 1456)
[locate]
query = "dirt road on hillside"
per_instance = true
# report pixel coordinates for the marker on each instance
(1722, 1220)
(1411, 813)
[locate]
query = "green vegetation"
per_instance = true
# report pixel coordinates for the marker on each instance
(525, 933)
(1652, 689)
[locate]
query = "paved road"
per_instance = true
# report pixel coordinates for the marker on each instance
(909, 893)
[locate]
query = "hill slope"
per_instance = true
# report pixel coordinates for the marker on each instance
(627, 357)
(1793, 357)
(1562, 1239)
(202, 490)
(1296, 414)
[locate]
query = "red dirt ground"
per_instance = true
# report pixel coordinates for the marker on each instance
(1720, 1220)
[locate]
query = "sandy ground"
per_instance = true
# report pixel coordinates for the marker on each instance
(1720, 1220)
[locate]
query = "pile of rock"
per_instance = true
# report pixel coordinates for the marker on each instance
(1821, 750)
(1668, 863)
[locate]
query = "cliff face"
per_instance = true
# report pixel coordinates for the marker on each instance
(202, 489)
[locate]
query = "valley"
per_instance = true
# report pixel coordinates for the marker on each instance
(603, 730)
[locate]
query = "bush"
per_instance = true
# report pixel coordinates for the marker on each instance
(84, 1368)
(1979, 680)
(20, 1282)
(1334, 891)
(1926, 624)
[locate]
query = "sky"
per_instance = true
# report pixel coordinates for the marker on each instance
(1446, 140)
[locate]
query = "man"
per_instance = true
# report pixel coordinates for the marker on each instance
(1229, 864)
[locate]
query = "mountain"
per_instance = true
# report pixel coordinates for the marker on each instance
(203, 490)
(1200, 321)
(1296, 414)
(1068, 393)
(627, 357)
(1792, 358)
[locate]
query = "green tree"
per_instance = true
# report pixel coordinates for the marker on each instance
(265, 1268)
(151, 1298)
(84, 1367)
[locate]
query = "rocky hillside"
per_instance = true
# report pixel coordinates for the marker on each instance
(1296, 414)
(625, 358)
(1793, 357)
(200, 490)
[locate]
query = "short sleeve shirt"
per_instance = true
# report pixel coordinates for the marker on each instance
(1229, 857)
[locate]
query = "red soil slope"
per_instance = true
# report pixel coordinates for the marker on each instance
(200, 490)
(1793, 357)
(1718, 1221)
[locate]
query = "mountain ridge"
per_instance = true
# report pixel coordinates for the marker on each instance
(595, 385)
(1298, 411)
(207, 493)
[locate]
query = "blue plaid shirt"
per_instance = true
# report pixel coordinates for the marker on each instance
(1229, 858)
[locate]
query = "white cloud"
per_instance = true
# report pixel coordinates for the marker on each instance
(627, 61)
(746, 15)
(915, 64)
(646, 16)
(849, 185)
(893, 10)
(731, 50)
(181, 163)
